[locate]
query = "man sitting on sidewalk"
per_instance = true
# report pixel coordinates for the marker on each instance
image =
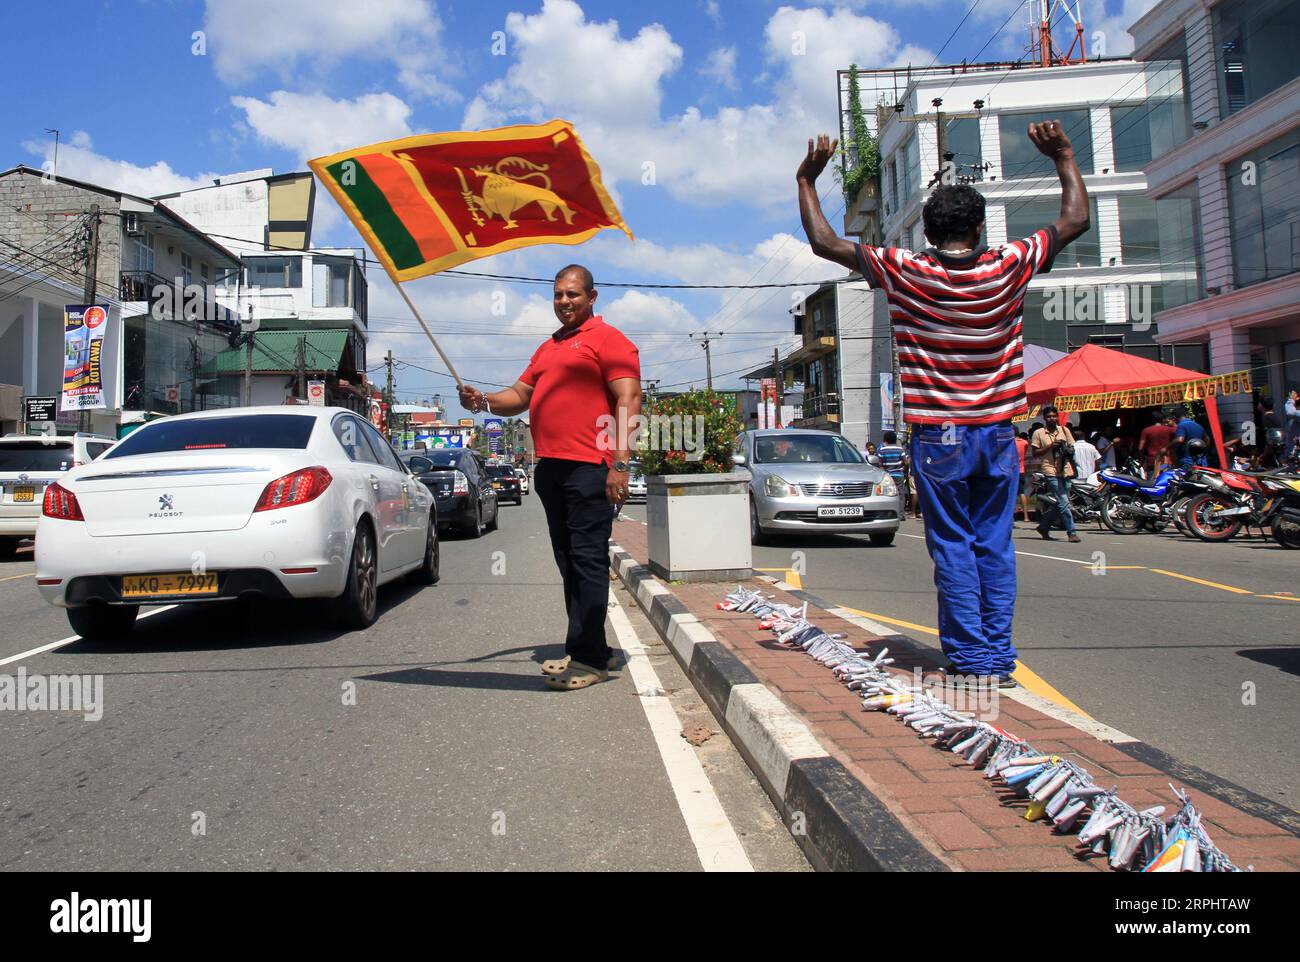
(956, 309)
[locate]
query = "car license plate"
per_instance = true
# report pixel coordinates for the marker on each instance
(841, 511)
(168, 585)
(24, 494)
(497, 485)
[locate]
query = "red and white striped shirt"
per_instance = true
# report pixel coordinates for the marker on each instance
(957, 323)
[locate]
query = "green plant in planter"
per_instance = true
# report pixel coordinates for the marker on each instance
(674, 430)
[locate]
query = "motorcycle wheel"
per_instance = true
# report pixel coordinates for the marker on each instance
(1179, 514)
(1203, 524)
(1118, 514)
(1286, 533)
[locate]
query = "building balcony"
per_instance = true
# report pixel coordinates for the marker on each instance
(172, 299)
(819, 410)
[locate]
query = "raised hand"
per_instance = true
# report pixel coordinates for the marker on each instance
(818, 157)
(1049, 138)
(471, 398)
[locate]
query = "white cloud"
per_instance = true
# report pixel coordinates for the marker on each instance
(249, 37)
(79, 161)
(721, 66)
(713, 11)
(746, 154)
(309, 125)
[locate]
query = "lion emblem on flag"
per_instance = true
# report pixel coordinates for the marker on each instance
(506, 190)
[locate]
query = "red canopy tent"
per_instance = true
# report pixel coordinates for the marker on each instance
(1093, 369)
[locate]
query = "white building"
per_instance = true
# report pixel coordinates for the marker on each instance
(1240, 174)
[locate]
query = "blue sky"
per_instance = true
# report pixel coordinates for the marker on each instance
(717, 95)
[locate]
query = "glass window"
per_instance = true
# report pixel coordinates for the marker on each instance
(910, 169)
(963, 137)
(1144, 132)
(387, 456)
(805, 449)
(1027, 216)
(239, 431)
(1020, 158)
(1254, 44)
(1265, 211)
(1035, 326)
(1139, 231)
(141, 252)
(35, 456)
(275, 272)
(353, 440)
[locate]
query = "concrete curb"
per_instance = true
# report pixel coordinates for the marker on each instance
(836, 820)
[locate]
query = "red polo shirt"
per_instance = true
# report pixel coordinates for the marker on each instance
(570, 375)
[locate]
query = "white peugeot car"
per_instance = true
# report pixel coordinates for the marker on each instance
(271, 501)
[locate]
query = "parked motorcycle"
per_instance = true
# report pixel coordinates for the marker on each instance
(1238, 499)
(1131, 503)
(1084, 498)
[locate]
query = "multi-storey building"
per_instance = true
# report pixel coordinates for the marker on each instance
(153, 269)
(1238, 177)
(310, 305)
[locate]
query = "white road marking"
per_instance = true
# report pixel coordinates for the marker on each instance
(1027, 554)
(71, 638)
(716, 842)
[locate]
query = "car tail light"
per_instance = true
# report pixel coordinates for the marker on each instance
(297, 488)
(61, 503)
(459, 483)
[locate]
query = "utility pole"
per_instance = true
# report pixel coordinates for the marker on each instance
(778, 396)
(708, 354)
(388, 393)
(55, 131)
(940, 119)
(91, 286)
(300, 363)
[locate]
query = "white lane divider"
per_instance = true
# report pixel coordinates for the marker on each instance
(716, 842)
(71, 638)
(1027, 554)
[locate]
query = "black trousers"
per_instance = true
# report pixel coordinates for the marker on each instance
(581, 520)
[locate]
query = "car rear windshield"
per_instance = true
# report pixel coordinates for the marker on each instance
(805, 449)
(501, 471)
(443, 459)
(207, 434)
(35, 456)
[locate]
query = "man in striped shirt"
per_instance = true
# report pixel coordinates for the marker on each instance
(956, 310)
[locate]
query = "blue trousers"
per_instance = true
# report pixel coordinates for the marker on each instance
(966, 480)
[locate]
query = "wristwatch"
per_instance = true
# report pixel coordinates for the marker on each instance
(621, 466)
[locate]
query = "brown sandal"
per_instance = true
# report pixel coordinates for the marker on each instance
(556, 666)
(577, 675)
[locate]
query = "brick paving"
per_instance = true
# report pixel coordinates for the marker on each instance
(959, 815)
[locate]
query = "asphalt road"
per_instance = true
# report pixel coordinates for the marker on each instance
(235, 719)
(1123, 634)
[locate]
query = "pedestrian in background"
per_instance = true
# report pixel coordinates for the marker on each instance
(1054, 445)
(894, 461)
(956, 309)
(582, 374)
(1154, 442)
(1292, 411)
(1105, 448)
(1187, 446)
(1086, 456)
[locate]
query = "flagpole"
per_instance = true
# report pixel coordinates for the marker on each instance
(429, 334)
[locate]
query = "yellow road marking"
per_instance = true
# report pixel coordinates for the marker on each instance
(1280, 597)
(1201, 581)
(892, 621)
(791, 576)
(1030, 680)
(29, 574)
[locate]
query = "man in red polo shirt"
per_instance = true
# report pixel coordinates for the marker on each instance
(582, 375)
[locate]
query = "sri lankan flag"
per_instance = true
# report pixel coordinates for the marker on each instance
(430, 202)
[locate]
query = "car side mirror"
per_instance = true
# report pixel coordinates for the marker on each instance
(738, 459)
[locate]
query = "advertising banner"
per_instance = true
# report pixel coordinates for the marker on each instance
(494, 426)
(887, 402)
(316, 393)
(83, 347)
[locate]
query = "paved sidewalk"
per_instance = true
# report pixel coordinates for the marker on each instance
(963, 819)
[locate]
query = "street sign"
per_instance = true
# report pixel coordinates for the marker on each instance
(316, 393)
(40, 409)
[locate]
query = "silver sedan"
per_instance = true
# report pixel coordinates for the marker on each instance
(805, 481)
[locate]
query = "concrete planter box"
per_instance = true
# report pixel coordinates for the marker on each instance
(698, 526)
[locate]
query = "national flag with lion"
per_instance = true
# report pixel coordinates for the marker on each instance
(433, 201)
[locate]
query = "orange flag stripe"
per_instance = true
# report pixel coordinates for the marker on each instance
(410, 205)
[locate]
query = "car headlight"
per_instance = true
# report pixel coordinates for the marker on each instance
(887, 488)
(780, 488)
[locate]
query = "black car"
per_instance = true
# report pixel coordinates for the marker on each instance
(506, 482)
(460, 485)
